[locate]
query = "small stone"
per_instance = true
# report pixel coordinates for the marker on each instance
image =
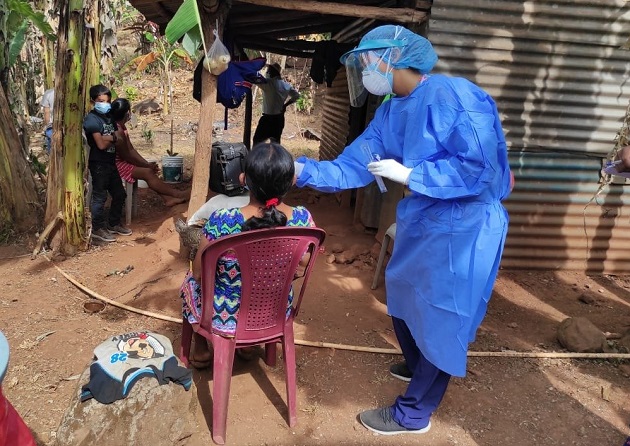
(344, 258)
(336, 248)
(587, 298)
(512, 325)
(330, 259)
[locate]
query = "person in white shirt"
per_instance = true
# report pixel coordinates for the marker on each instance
(47, 103)
(275, 93)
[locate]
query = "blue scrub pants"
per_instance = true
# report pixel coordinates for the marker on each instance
(427, 387)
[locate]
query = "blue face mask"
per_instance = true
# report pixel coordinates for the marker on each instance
(102, 107)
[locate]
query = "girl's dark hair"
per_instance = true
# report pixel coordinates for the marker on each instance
(97, 90)
(120, 107)
(269, 173)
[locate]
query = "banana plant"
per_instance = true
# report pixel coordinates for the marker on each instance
(15, 18)
(162, 53)
(186, 23)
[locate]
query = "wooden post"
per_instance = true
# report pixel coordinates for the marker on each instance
(247, 129)
(396, 15)
(203, 143)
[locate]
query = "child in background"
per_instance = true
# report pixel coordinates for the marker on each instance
(47, 104)
(132, 166)
(101, 137)
(269, 173)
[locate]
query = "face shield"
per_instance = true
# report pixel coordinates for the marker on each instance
(367, 54)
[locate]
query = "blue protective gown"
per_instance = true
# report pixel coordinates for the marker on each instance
(451, 230)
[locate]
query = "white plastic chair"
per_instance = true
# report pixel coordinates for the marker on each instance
(389, 236)
(131, 203)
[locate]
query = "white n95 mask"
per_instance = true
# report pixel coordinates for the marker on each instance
(377, 83)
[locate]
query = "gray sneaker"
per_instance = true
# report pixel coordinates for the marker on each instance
(103, 235)
(382, 422)
(119, 229)
(401, 371)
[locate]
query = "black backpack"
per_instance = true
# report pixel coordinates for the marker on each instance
(227, 162)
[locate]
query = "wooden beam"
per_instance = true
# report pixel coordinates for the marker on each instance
(269, 17)
(280, 26)
(319, 29)
(396, 15)
(277, 49)
(295, 48)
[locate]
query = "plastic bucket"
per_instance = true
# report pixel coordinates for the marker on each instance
(173, 169)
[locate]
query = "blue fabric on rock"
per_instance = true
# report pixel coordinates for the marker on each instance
(452, 227)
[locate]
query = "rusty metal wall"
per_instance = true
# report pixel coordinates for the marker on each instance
(560, 82)
(335, 120)
(563, 217)
(553, 66)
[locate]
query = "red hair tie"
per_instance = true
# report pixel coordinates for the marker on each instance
(271, 202)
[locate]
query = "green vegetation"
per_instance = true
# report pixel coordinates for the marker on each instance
(131, 93)
(147, 133)
(304, 103)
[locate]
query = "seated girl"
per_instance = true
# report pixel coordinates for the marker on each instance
(132, 166)
(269, 173)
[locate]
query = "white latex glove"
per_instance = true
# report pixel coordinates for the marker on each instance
(391, 169)
(299, 167)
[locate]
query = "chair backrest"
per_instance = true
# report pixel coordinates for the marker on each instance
(268, 261)
(4, 356)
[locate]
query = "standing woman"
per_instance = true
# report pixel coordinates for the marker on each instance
(132, 166)
(441, 137)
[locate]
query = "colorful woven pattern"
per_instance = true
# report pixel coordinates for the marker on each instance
(228, 278)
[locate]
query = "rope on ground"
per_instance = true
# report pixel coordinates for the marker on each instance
(89, 292)
(355, 348)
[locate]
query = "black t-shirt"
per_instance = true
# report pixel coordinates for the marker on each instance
(95, 122)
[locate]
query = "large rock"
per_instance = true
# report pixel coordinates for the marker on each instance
(578, 334)
(624, 343)
(151, 415)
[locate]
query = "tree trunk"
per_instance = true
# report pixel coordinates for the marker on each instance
(75, 43)
(18, 193)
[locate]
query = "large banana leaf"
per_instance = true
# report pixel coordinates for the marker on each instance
(25, 10)
(185, 19)
(16, 44)
(192, 41)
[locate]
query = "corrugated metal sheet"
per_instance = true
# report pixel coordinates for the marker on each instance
(560, 82)
(559, 79)
(335, 126)
(554, 67)
(562, 217)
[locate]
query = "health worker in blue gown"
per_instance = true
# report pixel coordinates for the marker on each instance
(441, 137)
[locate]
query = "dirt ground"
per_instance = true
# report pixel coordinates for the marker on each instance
(502, 401)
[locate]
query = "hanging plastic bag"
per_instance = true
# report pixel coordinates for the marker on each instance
(218, 56)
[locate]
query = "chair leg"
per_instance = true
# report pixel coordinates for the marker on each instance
(134, 200)
(288, 353)
(271, 354)
(381, 259)
(221, 379)
(128, 202)
(184, 348)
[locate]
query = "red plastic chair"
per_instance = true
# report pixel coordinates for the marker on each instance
(268, 260)
(13, 430)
